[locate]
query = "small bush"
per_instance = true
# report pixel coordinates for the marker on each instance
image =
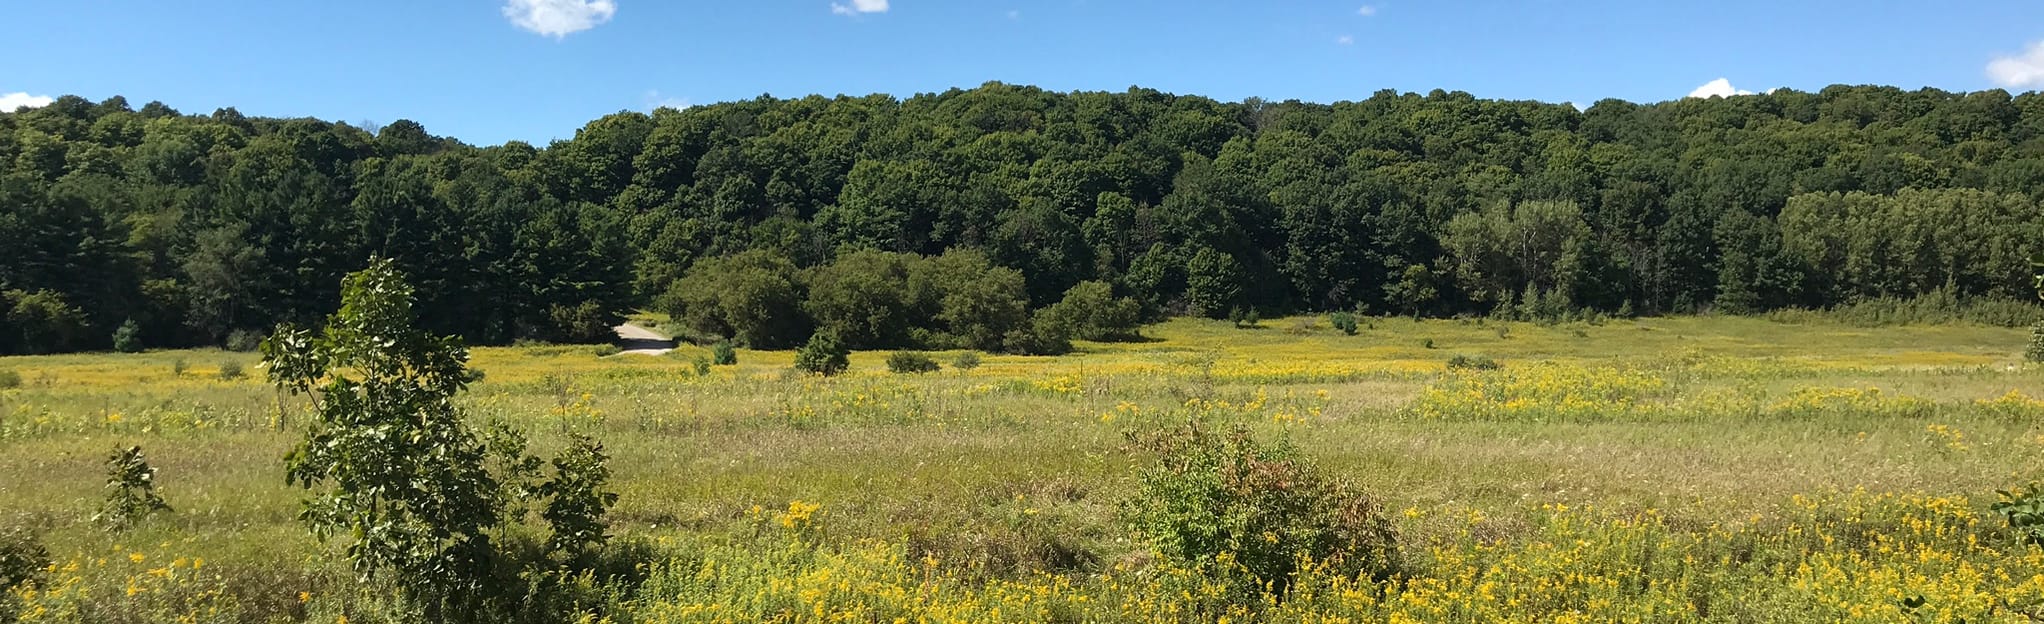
(244, 340)
(2023, 508)
(23, 563)
(702, 363)
(1427, 344)
(1245, 513)
(230, 370)
(130, 490)
(966, 361)
(178, 367)
(1464, 362)
(128, 337)
(2036, 351)
(607, 350)
(726, 354)
(1345, 322)
(9, 379)
(910, 362)
(1244, 318)
(823, 355)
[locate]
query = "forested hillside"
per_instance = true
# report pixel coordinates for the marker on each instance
(169, 229)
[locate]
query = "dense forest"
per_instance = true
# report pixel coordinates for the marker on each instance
(1012, 218)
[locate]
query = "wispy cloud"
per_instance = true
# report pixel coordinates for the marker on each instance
(1345, 40)
(859, 6)
(2024, 70)
(9, 102)
(559, 18)
(1367, 10)
(656, 100)
(1721, 87)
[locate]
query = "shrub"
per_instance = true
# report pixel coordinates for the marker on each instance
(230, 370)
(2036, 351)
(2023, 508)
(910, 362)
(1090, 311)
(131, 490)
(576, 500)
(1464, 362)
(9, 379)
(702, 366)
(966, 361)
(23, 563)
(243, 340)
(128, 338)
(1242, 512)
(726, 354)
(178, 367)
(1427, 344)
(1345, 322)
(607, 350)
(1244, 318)
(823, 355)
(43, 322)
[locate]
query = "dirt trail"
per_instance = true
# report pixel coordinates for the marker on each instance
(638, 340)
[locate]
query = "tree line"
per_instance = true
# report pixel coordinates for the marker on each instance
(887, 220)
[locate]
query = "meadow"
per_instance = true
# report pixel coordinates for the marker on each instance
(1685, 469)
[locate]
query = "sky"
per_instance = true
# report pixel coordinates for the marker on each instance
(489, 71)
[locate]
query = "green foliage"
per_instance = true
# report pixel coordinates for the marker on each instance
(178, 367)
(1090, 311)
(1244, 318)
(978, 304)
(752, 297)
(702, 365)
(130, 490)
(910, 362)
(1344, 321)
(1245, 513)
(725, 353)
(2034, 352)
(864, 298)
(966, 361)
(1213, 283)
(243, 340)
(576, 500)
(606, 350)
(823, 355)
(24, 563)
(42, 322)
(1480, 363)
(9, 379)
(588, 321)
(387, 453)
(2023, 508)
(128, 338)
(230, 370)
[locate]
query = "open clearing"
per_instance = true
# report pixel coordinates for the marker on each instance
(1651, 469)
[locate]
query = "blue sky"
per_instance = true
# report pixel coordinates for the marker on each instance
(487, 71)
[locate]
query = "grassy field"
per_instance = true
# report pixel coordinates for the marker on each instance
(1669, 469)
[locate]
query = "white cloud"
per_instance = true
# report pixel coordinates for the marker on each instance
(11, 101)
(1014, 14)
(559, 18)
(859, 6)
(656, 100)
(1345, 40)
(1721, 87)
(1367, 10)
(2019, 71)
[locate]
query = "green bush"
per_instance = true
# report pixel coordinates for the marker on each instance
(178, 367)
(2023, 508)
(243, 340)
(2036, 351)
(823, 355)
(128, 338)
(230, 370)
(130, 490)
(1244, 513)
(9, 379)
(23, 563)
(966, 361)
(910, 362)
(702, 364)
(607, 350)
(1464, 362)
(726, 354)
(1345, 322)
